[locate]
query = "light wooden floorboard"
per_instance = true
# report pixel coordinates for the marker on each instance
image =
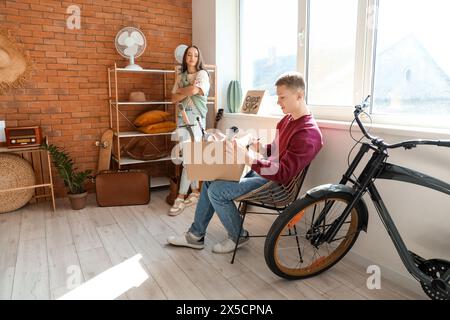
(39, 251)
(168, 275)
(93, 262)
(9, 240)
(249, 257)
(58, 231)
(84, 233)
(33, 222)
(31, 277)
(64, 269)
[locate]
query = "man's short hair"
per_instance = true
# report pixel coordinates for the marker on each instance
(292, 80)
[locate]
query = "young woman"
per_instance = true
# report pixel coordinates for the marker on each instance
(190, 92)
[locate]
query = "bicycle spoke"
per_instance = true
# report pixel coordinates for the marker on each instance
(298, 245)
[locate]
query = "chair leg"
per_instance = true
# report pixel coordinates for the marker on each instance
(243, 211)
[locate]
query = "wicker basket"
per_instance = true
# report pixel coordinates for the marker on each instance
(15, 172)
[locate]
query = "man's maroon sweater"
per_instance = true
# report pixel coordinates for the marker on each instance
(296, 144)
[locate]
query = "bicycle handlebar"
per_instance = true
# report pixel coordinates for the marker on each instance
(380, 143)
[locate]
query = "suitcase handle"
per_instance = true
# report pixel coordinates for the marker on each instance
(115, 171)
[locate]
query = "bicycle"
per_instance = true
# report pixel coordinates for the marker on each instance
(318, 230)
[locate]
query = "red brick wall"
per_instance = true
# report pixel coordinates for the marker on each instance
(68, 90)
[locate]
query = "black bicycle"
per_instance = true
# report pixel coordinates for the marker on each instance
(316, 231)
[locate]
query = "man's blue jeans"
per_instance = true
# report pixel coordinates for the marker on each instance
(217, 196)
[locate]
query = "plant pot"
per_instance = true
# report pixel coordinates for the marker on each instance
(77, 201)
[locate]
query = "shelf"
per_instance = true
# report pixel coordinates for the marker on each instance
(124, 160)
(137, 103)
(142, 71)
(21, 149)
(130, 134)
(159, 182)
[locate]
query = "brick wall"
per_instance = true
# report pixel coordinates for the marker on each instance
(68, 89)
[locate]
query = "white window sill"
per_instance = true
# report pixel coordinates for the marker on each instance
(375, 128)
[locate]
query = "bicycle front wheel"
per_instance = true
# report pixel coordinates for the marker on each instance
(289, 250)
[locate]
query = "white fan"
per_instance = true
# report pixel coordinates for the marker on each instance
(130, 43)
(179, 53)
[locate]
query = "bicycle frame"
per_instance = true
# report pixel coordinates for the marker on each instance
(378, 168)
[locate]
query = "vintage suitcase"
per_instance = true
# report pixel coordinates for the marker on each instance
(122, 188)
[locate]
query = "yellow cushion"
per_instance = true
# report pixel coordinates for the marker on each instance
(166, 126)
(151, 117)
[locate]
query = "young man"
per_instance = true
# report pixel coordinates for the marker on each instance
(297, 142)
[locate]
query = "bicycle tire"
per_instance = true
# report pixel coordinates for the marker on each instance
(298, 211)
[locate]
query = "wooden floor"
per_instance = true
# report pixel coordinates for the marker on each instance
(121, 253)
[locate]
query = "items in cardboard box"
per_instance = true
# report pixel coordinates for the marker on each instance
(208, 161)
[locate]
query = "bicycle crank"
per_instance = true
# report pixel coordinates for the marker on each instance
(440, 285)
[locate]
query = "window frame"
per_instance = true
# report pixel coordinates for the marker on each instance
(364, 75)
(364, 46)
(300, 55)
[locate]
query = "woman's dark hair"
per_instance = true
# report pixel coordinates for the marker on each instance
(199, 66)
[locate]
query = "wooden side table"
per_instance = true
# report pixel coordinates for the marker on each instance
(37, 156)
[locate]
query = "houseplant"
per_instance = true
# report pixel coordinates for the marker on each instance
(74, 180)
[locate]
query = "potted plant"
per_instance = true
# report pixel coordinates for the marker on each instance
(74, 180)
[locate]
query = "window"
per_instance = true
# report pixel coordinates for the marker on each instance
(395, 50)
(268, 46)
(412, 69)
(331, 54)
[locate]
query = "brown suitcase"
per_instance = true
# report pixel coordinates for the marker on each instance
(122, 188)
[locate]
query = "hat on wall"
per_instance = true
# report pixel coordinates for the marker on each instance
(15, 64)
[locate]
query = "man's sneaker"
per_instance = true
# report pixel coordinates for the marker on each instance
(191, 199)
(228, 245)
(177, 208)
(187, 240)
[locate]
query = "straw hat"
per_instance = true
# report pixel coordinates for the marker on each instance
(137, 96)
(15, 64)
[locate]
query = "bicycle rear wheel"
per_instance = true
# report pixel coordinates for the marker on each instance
(288, 249)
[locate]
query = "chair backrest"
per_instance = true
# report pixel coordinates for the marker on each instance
(275, 196)
(294, 187)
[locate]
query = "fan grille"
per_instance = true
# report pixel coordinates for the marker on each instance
(122, 47)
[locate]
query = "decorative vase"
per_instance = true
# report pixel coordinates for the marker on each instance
(77, 201)
(234, 96)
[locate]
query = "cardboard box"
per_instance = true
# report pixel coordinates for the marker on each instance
(208, 161)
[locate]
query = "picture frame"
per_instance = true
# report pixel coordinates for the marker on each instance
(252, 101)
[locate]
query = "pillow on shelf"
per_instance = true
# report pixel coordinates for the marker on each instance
(166, 126)
(151, 117)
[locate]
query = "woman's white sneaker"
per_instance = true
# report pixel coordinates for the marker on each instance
(177, 208)
(187, 239)
(191, 199)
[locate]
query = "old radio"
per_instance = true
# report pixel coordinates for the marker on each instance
(23, 137)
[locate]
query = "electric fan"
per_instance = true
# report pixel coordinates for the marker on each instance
(130, 43)
(179, 53)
